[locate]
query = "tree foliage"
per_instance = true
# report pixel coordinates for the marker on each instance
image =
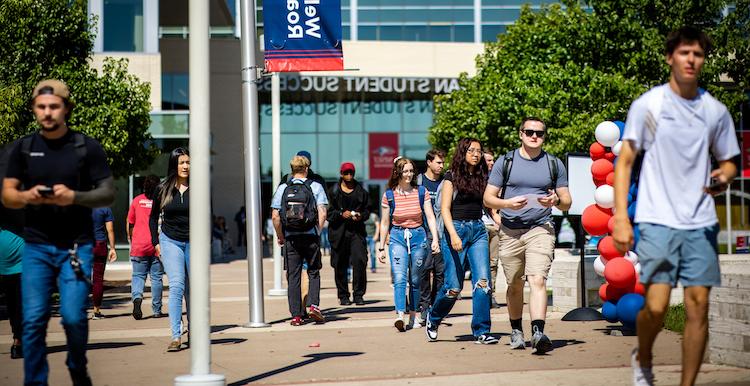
(54, 39)
(575, 66)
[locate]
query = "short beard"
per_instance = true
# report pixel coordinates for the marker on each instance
(55, 127)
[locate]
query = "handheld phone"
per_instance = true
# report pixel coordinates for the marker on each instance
(715, 186)
(45, 191)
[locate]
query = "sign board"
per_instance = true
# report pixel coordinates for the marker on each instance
(580, 183)
(383, 148)
(302, 35)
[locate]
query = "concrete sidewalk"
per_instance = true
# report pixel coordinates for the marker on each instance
(357, 346)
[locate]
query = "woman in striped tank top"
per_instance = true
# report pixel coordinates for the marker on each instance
(404, 215)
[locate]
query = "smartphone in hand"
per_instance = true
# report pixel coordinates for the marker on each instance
(46, 191)
(715, 187)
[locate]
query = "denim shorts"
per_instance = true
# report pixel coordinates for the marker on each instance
(688, 255)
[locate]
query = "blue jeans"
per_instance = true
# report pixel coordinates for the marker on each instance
(403, 263)
(142, 266)
(373, 255)
(476, 252)
(175, 256)
(43, 265)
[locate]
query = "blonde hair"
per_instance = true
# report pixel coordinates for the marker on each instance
(299, 164)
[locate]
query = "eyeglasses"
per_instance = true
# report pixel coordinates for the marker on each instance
(530, 133)
(474, 151)
(345, 172)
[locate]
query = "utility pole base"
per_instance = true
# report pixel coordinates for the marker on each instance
(200, 380)
(277, 292)
(256, 325)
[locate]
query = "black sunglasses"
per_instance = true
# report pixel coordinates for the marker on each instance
(530, 133)
(345, 172)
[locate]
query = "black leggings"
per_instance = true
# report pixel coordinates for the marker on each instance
(11, 286)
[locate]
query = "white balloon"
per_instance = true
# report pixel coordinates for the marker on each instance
(637, 267)
(605, 196)
(599, 266)
(607, 133)
(631, 257)
(616, 148)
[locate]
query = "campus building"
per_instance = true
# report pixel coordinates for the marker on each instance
(397, 54)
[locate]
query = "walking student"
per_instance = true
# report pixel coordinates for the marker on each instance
(372, 227)
(404, 208)
(527, 235)
(299, 211)
(464, 240)
(432, 275)
(104, 250)
(347, 213)
(681, 126)
(142, 253)
(491, 220)
(172, 245)
(58, 175)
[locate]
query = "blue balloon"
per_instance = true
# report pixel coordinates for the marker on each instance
(628, 307)
(621, 126)
(633, 190)
(631, 210)
(609, 311)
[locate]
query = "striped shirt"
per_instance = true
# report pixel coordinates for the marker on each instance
(407, 213)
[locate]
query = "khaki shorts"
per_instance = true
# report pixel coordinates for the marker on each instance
(525, 252)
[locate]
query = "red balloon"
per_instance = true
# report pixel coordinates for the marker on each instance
(600, 168)
(610, 179)
(599, 183)
(597, 151)
(609, 156)
(607, 248)
(640, 289)
(620, 273)
(603, 292)
(611, 225)
(614, 294)
(594, 219)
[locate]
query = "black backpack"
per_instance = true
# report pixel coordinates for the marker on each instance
(508, 165)
(299, 212)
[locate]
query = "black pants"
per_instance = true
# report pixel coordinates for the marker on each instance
(428, 288)
(297, 250)
(351, 250)
(11, 286)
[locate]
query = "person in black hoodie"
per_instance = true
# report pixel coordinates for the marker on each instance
(346, 215)
(172, 240)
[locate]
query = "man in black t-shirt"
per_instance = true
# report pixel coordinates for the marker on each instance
(433, 266)
(347, 213)
(57, 175)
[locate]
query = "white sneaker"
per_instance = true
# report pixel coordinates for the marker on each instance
(399, 322)
(642, 376)
(416, 321)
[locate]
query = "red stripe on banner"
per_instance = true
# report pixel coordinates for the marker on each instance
(312, 64)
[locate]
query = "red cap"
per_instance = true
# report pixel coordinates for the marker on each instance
(347, 166)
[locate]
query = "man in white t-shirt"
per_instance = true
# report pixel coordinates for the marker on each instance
(677, 125)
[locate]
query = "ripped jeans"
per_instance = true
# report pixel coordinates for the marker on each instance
(408, 249)
(476, 250)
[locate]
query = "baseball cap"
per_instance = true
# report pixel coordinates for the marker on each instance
(347, 166)
(306, 154)
(58, 88)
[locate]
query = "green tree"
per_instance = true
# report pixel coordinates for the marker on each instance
(575, 67)
(54, 39)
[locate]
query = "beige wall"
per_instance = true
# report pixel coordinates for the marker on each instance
(147, 67)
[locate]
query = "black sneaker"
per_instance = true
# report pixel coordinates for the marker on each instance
(345, 301)
(486, 339)
(137, 313)
(540, 343)
(16, 351)
(359, 301)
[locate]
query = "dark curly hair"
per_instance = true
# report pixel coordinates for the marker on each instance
(150, 184)
(468, 180)
(398, 170)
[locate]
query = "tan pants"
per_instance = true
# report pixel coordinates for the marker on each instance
(493, 236)
(527, 251)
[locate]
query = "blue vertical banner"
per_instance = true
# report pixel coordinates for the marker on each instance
(302, 35)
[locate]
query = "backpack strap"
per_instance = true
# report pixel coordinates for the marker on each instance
(391, 202)
(552, 165)
(26, 143)
(507, 166)
(421, 191)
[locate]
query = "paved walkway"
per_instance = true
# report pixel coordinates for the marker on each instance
(358, 346)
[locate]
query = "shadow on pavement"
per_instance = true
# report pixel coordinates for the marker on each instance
(94, 346)
(313, 358)
(471, 338)
(355, 310)
(612, 328)
(222, 327)
(228, 341)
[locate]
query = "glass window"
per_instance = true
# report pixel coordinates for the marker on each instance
(466, 15)
(266, 155)
(366, 16)
(297, 117)
(382, 116)
(353, 150)
(264, 121)
(120, 211)
(463, 33)
(440, 33)
(391, 33)
(351, 116)
(329, 157)
(328, 114)
(169, 124)
(346, 32)
(417, 34)
(500, 15)
(175, 91)
(417, 115)
(368, 33)
(123, 25)
(414, 145)
(292, 143)
(490, 32)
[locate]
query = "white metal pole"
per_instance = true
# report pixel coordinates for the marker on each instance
(252, 165)
(200, 202)
(277, 289)
(353, 20)
(728, 203)
(477, 21)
